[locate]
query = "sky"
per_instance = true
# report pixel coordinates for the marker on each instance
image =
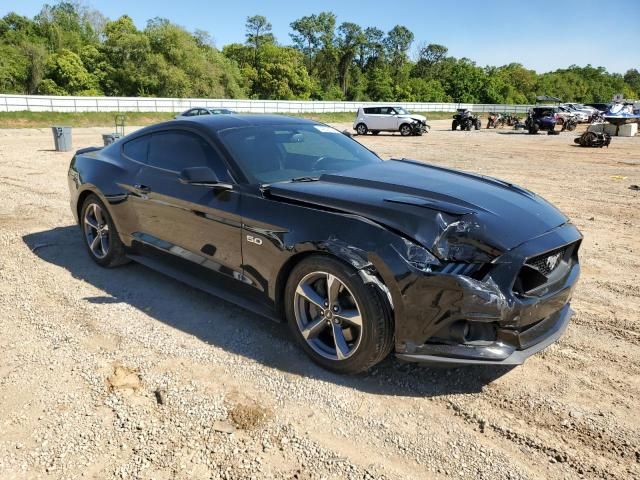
(541, 34)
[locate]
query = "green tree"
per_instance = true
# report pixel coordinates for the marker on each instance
(350, 37)
(66, 70)
(258, 33)
(397, 44)
(282, 74)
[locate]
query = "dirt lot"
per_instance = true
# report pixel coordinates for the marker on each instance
(127, 374)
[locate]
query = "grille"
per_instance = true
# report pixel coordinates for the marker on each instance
(547, 262)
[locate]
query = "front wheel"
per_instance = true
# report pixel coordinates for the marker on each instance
(101, 237)
(342, 323)
(405, 130)
(454, 125)
(361, 128)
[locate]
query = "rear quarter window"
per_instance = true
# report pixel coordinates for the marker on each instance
(137, 149)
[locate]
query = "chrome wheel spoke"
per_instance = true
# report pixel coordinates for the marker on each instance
(313, 329)
(91, 222)
(342, 349)
(309, 294)
(351, 316)
(97, 213)
(104, 245)
(333, 288)
(94, 243)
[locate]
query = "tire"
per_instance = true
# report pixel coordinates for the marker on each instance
(362, 129)
(405, 130)
(454, 125)
(375, 132)
(101, 238)
(533, 129)
(478, 124)
(363, 346)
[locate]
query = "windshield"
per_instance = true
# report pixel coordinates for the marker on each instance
(401, 111)
(275, 153)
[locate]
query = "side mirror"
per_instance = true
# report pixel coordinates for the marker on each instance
(202, 176)
(347, 133)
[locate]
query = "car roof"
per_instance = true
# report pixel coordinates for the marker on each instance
(215, 123)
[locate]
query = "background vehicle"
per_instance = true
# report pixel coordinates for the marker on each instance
(466, 120)
(389, 119)
(495, 120)
(541, 118)
(569, 124)
(194, 112)
(583, 114)
(564, 114)
(290, 218)
(601, 107)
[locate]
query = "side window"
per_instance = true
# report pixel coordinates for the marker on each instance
(177, 150)
(137, 149)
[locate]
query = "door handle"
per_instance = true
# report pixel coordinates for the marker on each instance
(142, 188)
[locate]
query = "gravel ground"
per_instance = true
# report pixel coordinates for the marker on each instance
(125, 373)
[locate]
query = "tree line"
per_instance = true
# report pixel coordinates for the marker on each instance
(70, 49)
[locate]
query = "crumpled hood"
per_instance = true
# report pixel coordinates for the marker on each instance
(413, 116)
(423, 201)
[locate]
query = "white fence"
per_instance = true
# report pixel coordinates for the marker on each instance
(41, 103)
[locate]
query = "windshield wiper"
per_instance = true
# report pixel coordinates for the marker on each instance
(305, 179)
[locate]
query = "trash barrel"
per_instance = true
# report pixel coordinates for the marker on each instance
(62, 138)
(109, 138)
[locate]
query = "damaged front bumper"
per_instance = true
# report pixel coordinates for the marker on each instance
(501, 316)
(536, 338)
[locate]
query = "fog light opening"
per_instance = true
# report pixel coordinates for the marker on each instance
(460, 331)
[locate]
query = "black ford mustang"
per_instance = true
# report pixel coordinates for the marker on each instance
(291, 218)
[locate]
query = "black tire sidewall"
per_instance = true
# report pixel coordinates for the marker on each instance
(364, 128)
(377, 330)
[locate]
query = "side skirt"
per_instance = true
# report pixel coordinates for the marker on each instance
(217, 287)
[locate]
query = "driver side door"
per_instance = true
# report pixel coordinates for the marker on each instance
(197, 224)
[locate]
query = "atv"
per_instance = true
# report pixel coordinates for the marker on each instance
(495, 120)
(593, 139)
(541, 118)
(465, 119)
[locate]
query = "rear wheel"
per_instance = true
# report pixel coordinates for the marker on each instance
(340, 322)
(362, 129)
(405, 129)
(454, 125)
(101, 237)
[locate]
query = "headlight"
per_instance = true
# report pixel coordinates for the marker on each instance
(458, 242)
(418, 257)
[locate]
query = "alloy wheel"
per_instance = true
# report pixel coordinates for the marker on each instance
(96, 230)
(328, 316)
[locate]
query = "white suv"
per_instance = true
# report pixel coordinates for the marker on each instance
(389, 119)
